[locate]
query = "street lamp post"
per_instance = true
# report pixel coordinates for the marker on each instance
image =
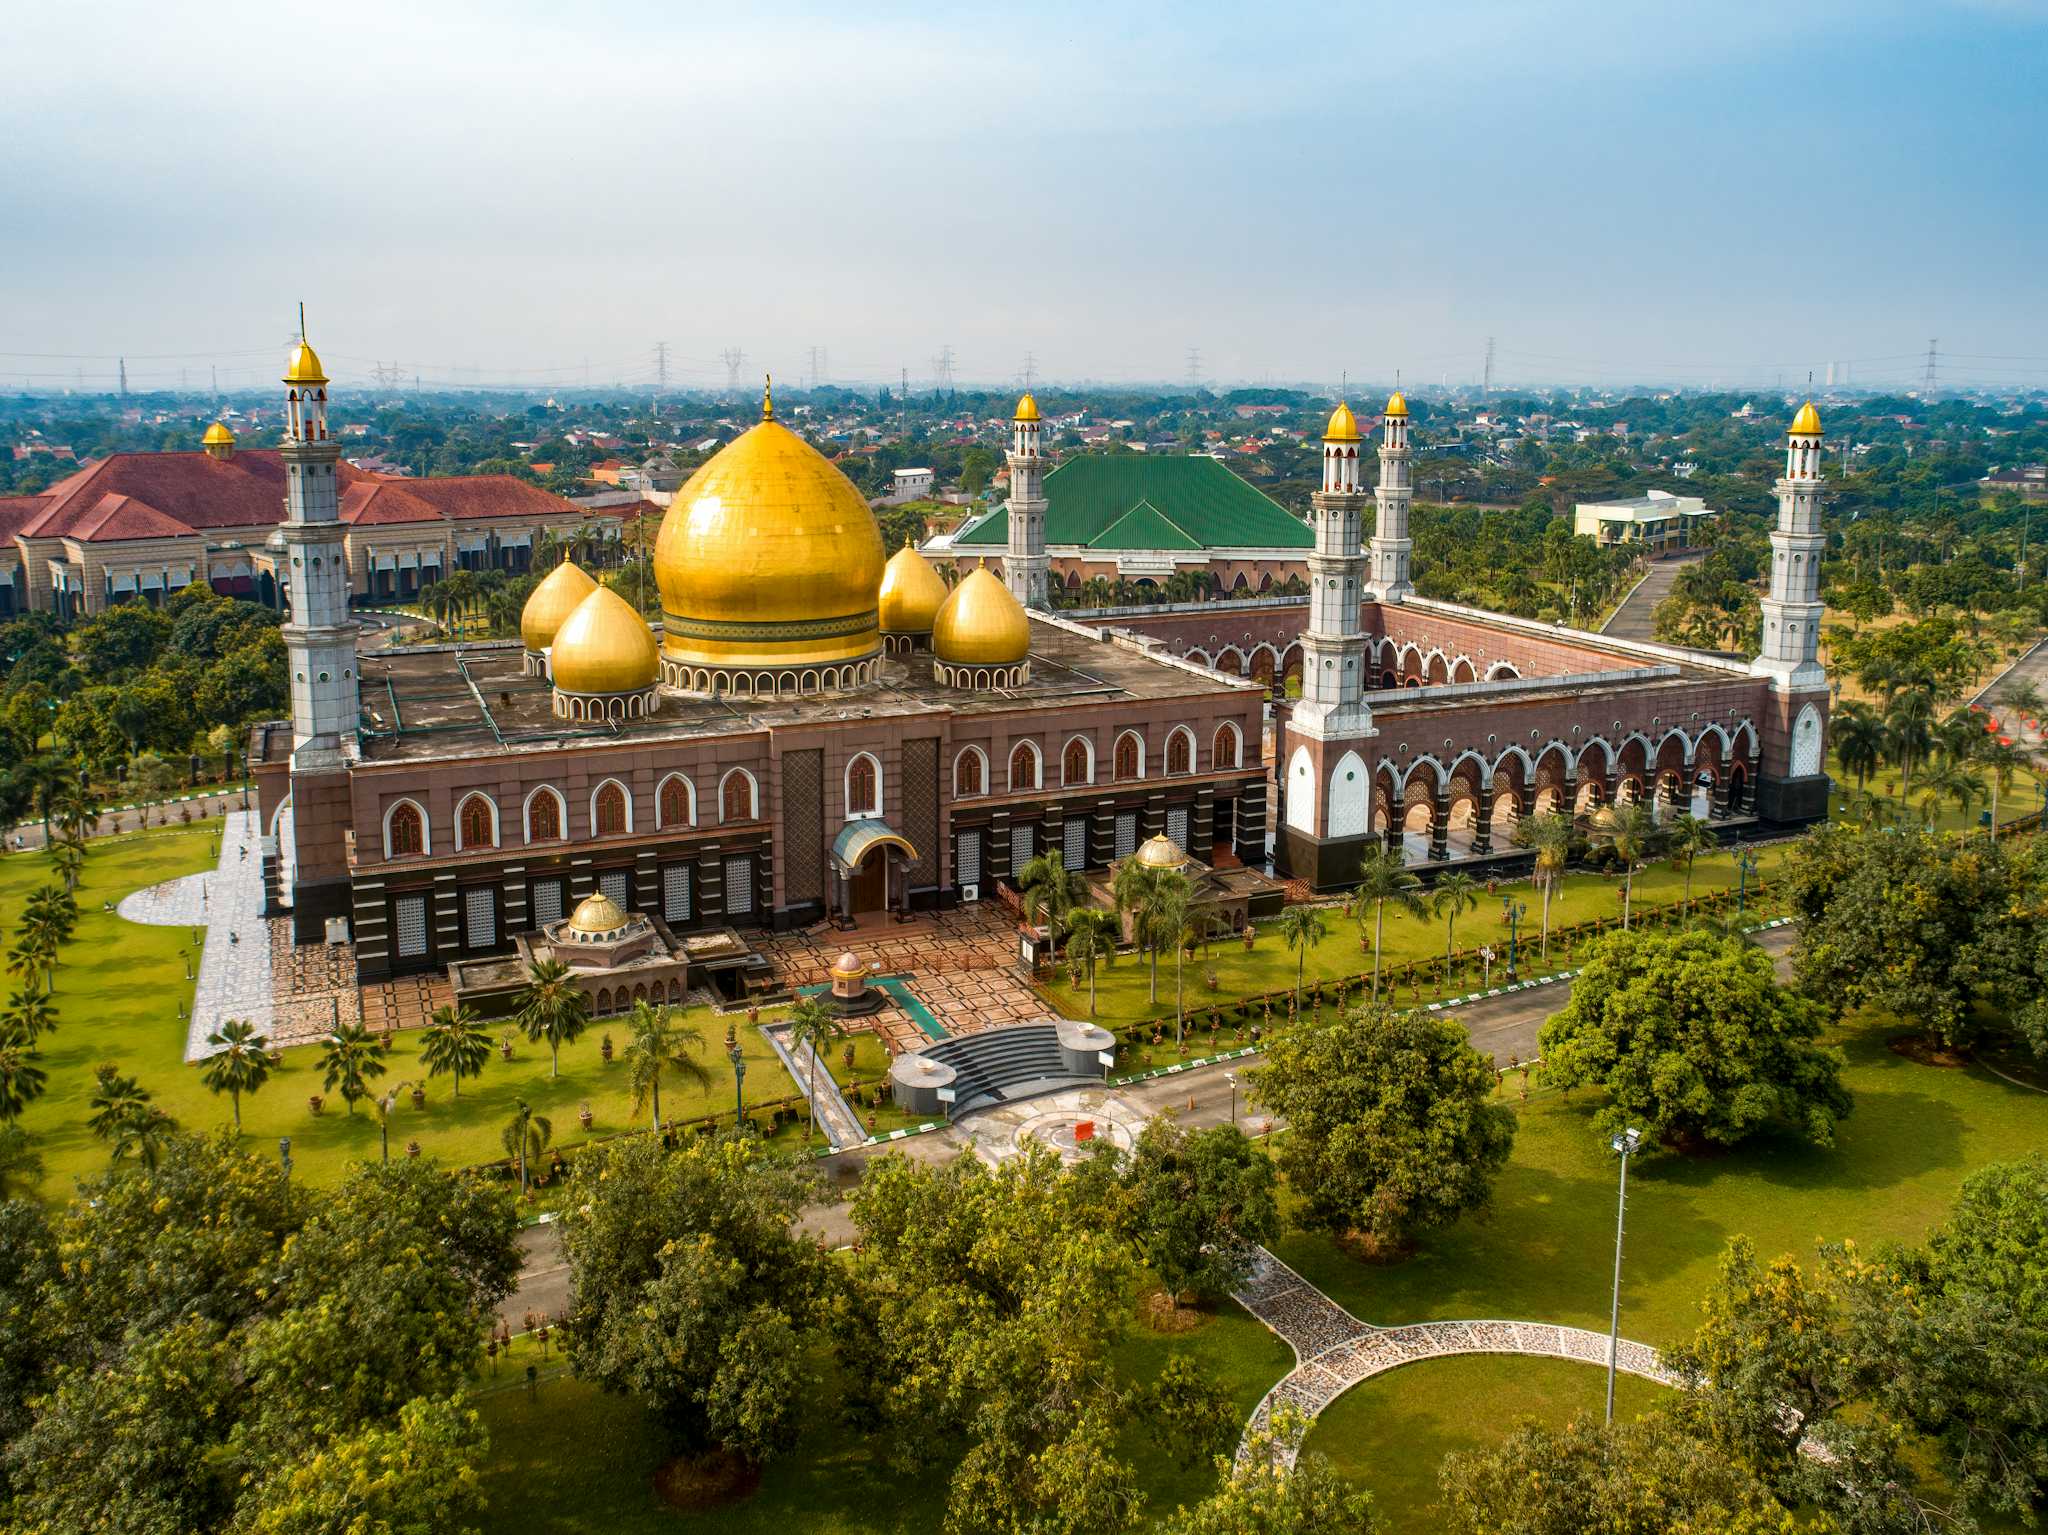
(1746, 861)
(739, 1076)
(284, 1156)
(1512, 911)
(1623, 1143)
(1231, 1078)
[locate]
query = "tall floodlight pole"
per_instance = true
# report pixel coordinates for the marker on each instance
(1624, 1143)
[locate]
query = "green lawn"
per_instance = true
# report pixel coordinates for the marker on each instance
(117, 999)
(1544, 1250)
(1393, 1431)
(2023, 798)
(573, 1461)
(1122, 989)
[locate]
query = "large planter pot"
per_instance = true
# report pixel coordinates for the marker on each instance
(419, 1097)
(315, 1102)
(584, 1116)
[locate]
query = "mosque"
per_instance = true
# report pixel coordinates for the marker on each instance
(816, 732)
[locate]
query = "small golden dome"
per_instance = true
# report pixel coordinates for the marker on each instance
(1027, 409)
(1396, 405)
(1162, 852)
(912, 593)
(596, 913)
(218, 436)
(981, 624)
(768, 556)
(1343, 425)
(551, 604)
(1807, 422)
(847, 964)
(604, 647)
(304, 367)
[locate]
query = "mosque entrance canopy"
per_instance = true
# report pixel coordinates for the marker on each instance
(861, 857)
(859, 838)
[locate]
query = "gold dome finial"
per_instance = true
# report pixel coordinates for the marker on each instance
(304, 367)
(1343, 425)
(1807, 422)
(767, 397)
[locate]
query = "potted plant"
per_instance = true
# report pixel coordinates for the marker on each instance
(583, 1116)
(419, 1097)
(604, 1049)
(505, 1045)
(412, 1148)
(314, 1102)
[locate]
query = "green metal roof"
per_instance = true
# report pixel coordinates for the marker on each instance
(1144, 526)
(1197, 503)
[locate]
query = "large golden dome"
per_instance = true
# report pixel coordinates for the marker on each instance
(551, 603)
(604, 647)
(981, 624)
(768, 556)
(912, 593)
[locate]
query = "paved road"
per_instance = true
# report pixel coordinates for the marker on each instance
(2031, 667)
(1501, 1027)
(1631, 621)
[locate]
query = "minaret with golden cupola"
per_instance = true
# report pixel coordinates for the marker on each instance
(1333, 647)
(1388, 581)
(319, 636)
(1026, 569)
(1790, 654)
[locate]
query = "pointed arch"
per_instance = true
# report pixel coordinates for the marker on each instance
(1180, 751)
(863, 786)
(1350, 797)
(970, 773)
(407, 831)
(1077, 762)
(675, 803)
(545, 815)
(1026, 768)
(611, 809)
(1226, 750)
(1127, 764)
(739, 797)
(1301, 792)
(476, 822)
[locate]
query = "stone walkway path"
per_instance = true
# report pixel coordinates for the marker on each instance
(235, 966)
(1335, 1351)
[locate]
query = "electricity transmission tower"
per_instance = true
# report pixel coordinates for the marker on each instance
(661, 366)
(942, 371)
(1029, 375)
(1927, 383)
(388, 375)
(1194, 369)
(1486, 387)
(734, 360)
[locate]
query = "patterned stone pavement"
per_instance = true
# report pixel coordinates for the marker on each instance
(1336, 1351)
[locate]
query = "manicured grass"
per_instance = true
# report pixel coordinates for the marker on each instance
(117, 1000)
(573, 1461)
(1544, 1250)
(1122, 989)
(1392, 1432)
(2023, 798)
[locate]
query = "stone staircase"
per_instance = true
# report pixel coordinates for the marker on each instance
(1005, 1065)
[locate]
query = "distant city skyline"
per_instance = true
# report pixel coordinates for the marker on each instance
(520, 196)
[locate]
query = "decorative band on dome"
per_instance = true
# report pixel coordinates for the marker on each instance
(737, 632)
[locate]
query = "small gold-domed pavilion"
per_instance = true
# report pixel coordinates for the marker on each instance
(547, 608)
(1162, 852)
(770, 564)
(981, 637)
(604, 661)
(219, 442)
(912, 594)
(596, 914)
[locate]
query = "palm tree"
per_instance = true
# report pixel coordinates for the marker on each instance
(2021, 698)
(526, 1136)
(1860, 740)
(1909, 732)
(1631, 830)
(813, 1026)
(1551, 836)
(142, 1134)
(1303, 927)
(114, 1099)
(1960, 736)
(242, 1064)
(352, 1057)
(21, 1165)
(27, 1017)
(554, 1007)
(1456, 893)
(383, 1107)
(1383, 878)
(1091, 937)
(1685, 838)
(1947, 780)
(660, 1045)
(21, 1080)
(2002, 761)
(1049, 893)
(455, 1043)
(32, 960)
(1187, 925)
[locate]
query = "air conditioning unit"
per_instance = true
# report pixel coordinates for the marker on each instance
(970, 893)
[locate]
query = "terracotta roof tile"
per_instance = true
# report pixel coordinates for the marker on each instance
(117, 517)
(17, 512)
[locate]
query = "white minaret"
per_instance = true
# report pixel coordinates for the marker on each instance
(1026, 570)
(1333, 648)
(319, 636)
(1389, 579)
(1791, 638)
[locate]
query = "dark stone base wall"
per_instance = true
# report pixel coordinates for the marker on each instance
(1792, 801)
(313, 905)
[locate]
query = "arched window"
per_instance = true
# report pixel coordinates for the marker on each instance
(675, 802)
(863, 786)
(1023, 767)
(736, 796)
(1180, 752)
(608, 814)
(476, 824)
(969, 779)
(405, 830)
(1129, 761)
(1223, 750)
(1077, 762)
(544, 816)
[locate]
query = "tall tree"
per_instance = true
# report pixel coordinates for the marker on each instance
(1456, 893)
(351, 1058)
(1201, 1203)
(1392, 1127)
(813, 1026)
(1303, 927)
(1551, 838)
(660, 1046)
(1685, 838)
(1382, 878)
(526, 1136)
(1632, 834)
(1049, 891)
(241, 1063)
(456, 1043)
(1091, 940)
(553, 1006)
(22, 1081)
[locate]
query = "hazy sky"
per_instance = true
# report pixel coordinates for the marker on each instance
(1699, 193)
